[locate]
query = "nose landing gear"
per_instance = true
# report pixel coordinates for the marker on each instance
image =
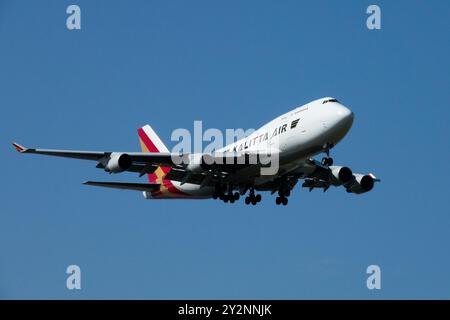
(327, 161)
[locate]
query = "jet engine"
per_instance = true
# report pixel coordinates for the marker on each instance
(340, 175)
(361, 183)
(118, 162)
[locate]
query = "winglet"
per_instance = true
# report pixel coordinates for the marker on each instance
(19, 148)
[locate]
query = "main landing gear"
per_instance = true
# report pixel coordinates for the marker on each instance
(222, 194)
(252, 198)
(228, 197)
(283, 197)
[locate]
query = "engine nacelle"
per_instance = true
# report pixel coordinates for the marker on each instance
(361, 183)
(118, 162)
(340, 175)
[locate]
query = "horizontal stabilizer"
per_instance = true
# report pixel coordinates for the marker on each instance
(19, 148)
(125, 185)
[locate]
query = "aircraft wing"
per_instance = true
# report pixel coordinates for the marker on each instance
(147, 162)
(155, 157)
(236, 168)
(125, 185)
(133, 161)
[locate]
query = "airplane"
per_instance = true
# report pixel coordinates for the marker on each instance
(295, 138)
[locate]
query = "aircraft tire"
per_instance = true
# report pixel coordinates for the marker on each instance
(278, 200)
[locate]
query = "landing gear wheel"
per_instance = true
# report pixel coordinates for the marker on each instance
(247, 200)
(327, 161)
(254, 201)
(284, 193)
(231, 199)
(284, 201)
(278, 200)
(236, 196)
(258, 198)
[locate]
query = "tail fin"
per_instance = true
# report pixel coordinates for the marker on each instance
(150, 142)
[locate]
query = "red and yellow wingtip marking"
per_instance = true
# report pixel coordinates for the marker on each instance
(19, 148)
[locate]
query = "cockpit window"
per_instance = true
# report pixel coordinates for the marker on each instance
(329, 100)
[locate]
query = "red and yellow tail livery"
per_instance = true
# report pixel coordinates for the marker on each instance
(150, 142)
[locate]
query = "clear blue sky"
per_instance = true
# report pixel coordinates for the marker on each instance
(232, 64)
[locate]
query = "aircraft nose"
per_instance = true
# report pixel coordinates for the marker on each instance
(337, 121)
(344, 115)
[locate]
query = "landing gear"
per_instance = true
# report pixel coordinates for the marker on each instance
(231, 197)
(327, 161)
(283, 195)
(226, 194)
(252, 198)
(281, 200)
(222, 194)
(219, 191)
